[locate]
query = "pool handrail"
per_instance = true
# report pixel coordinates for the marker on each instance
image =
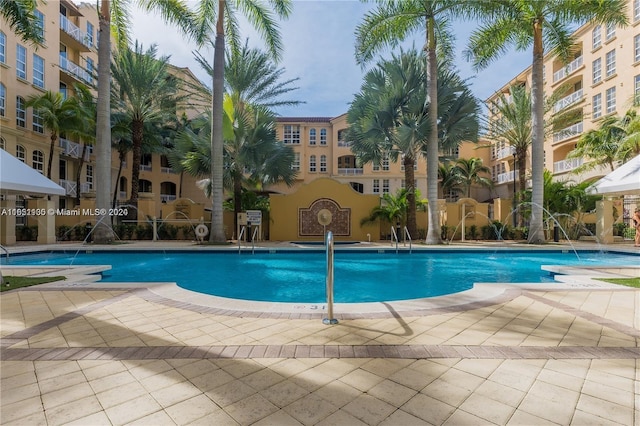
(329, 281)
(407, 236)
(394, 236)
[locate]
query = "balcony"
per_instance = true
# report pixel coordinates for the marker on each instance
(567, 165)
(71, 188)
(170, 170)
(350, 172)
(568, 132)
(568, 100)
(73, 149)
(505, 177)
(75, 33)
(145, 167)
(165, 198)
(344, 144)
(569, 69)
(122, 195)
(75, 70)
(505, 152)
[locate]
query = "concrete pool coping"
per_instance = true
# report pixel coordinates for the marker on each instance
(566, 277)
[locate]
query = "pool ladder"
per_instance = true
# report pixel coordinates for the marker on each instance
(253, 239)
(4, 249)
(329, 320)
(407, 237)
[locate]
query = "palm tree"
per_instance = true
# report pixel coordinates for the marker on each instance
(545, 25)
(448, 179)
(392, 209)
(224, 18)
(630, 143)
(59, 115)
(390, 117)
(87, 106)
(599, 146)
(20, 16)
(469, 172)
(145, 93)
(116, 12)
(388, 25)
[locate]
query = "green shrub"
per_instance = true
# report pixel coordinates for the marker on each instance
(62, 233)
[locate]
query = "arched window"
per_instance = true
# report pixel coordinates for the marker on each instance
(3, 98)
(312, 164)
(3, 144)
(167, 191)
(323, 136)
(312, 136)
(122, 187)
(37, 160)
(21, 153)
(37, 122)
(144, 186)
(323, 164)
(21, 112)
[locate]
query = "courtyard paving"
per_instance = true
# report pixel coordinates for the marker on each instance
(88, 354)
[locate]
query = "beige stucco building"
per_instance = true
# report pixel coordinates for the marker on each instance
(603, 77)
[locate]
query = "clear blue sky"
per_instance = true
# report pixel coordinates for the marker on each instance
(319, 49)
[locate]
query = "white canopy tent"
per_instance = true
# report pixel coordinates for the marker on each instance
(625, 180)
(18, 178)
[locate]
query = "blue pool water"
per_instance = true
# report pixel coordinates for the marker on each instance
(300, 276)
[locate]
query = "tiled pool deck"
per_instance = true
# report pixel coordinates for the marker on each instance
(87, 354)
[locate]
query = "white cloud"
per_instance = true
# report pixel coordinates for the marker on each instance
(319, 49)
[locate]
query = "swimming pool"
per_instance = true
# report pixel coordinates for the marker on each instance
(294, 276)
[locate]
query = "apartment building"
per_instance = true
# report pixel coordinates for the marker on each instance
(322, 150)
(603, 77)
(68, 55)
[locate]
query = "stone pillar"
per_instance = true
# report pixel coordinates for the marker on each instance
(604, 221)
(8, 222)
(46, 222)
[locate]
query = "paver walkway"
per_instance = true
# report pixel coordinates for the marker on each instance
(91, 356)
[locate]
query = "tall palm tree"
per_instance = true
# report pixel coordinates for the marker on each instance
(222, 16)
(469, 172)
(87, 106)
(146, 93)
(114, 20)
(59, 115)
(599, 146)
(20, 16)
(630, 143)
(390, 117)
(389, 24)
(545, 25)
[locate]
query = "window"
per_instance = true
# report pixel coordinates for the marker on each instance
(37, 122)
(323, 164)
(596, 104)
(312, 164)
(385, 162)
(610, 32)
(596, 37)
(597, 70)
(21, 113)
(89, 39)
(636, 48)
(611, 100)
(145, 185)
(312, 136)
(3, 97)
(610, 62)
(3, 144)
(40, 23)
(21, 62)
(90, 70)
(21, 153)
(3, 48)
(63, 90)
(37, 160)
(38, 71)
(296, 161)
(376, 186)
(636, 88)
(90, 180)
(636, 10)
(323, 136)
(385, 186)
(292, 135)
(62, 169)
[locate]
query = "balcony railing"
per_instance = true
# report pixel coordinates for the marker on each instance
(71, 188)
(568, 132)
(567, 165)
(75, 32)
(167, 197)
(345, 144)
(145, 167)
(73, 149)
(505, 177)
(564, 72)
(350, 172)
(75, 70)
(505, 152)
(168, 170)
(568, 100)
(122, 195)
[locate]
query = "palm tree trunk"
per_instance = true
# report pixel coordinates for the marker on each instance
(103, 233)
(217, 148)
(54, 136)
(433, 230)
(121, 157)
(237, 199)
(79, 173)
(410, 184)
(136, 138)
(522, 179)
(536, 232)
